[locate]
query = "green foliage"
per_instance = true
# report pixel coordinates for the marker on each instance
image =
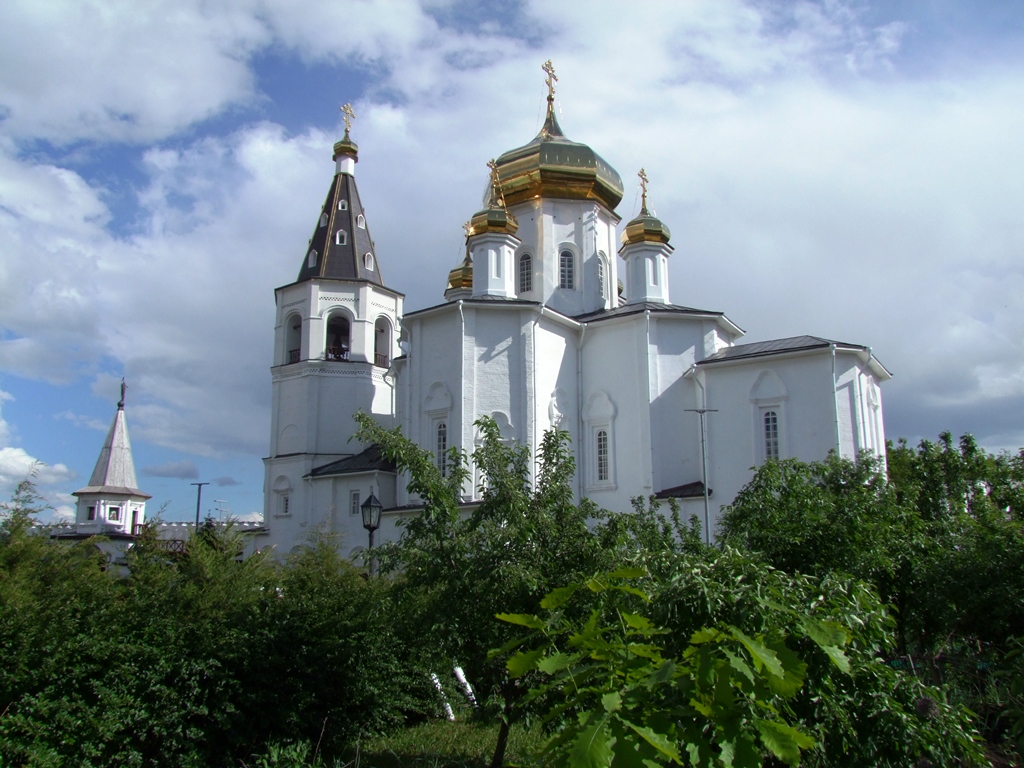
(619, 689)
(197, 660)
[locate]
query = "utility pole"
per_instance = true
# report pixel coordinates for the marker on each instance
(199, 498)
(702, 412)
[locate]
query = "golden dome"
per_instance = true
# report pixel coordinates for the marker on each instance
(495, 217)
(553, 166)
(462, 275)
(645, 227)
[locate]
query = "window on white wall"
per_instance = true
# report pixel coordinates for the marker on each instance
(354, 508)
(602, 456)
(771, 435)
(442, 448)
(114, 513)
(599, 420)
(566, 270)
(525, 273)
(600, 276)
(285, 501)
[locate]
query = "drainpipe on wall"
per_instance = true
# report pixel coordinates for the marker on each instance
(835, 402)
(581, 442)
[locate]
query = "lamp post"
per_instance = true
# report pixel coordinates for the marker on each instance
(199, 498)
(371, 522)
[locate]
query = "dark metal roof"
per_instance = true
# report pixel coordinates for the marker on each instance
(509, 300)
(693, 490)
(368, 461)
(776, 347)
(643, 306)
(347, 261)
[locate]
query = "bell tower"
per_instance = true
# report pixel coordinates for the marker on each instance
(335, 336)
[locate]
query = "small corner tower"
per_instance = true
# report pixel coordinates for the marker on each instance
(645, 250)
(111, 504)
(336, 336)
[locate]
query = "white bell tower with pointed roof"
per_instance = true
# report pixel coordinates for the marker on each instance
(112, 504)
(336, 335)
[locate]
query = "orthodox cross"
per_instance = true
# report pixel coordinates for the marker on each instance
(551, 78)
(348, 115)
(643, 190)
(124, 387)
(496, 197)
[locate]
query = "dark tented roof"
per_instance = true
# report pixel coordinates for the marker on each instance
(341, 260)
(776, 347)
(367, 461)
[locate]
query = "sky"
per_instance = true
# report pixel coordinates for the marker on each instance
(851, 170)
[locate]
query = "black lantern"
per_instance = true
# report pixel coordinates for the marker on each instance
(371, 521)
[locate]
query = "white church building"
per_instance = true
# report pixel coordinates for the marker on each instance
(557, 317)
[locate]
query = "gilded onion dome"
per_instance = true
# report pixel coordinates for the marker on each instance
(495, 217)
(645, 227)
(553, 166)
(462, 275)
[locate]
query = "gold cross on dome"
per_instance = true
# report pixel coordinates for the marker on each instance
(468, 228)
(496, 197)
(348, 115)
(643, 189)
(551, 79)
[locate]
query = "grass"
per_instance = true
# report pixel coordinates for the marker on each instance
(444, 744)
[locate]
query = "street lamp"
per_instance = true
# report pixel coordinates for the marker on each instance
(371, 522)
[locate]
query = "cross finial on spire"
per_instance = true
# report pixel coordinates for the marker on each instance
(348, 115)
(467, 227)
(497, 198)
(551, 78)
(643, 192)
(120, 404)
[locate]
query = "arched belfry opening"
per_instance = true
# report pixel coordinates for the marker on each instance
(293, 339)
(382, 342)
(339, 336)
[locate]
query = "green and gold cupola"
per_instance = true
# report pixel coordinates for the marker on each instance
(553, 166)
(645, 251)
(645, 228)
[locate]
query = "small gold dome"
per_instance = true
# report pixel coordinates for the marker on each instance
(645, 228)
(553, 166)
(462, 275)
(346, 147)
(495, 217)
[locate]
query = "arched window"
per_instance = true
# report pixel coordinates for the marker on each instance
(442, 448)
(293, 339)
(343, 205)
(337, 337)
(360, 221)
(600, 275)
(382, 342)
(566, 270)
(525, 273)
(323, 219)
(311, 261)
(368, 261)
(771, 435)
(341, 237)
(602, 456)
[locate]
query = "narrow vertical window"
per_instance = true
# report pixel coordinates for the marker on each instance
(442, 448)
(602, 456)
(284, 504)
(343, 205)
(312, 258)
(600, 277)
(91, 513)
(368, 261)
(771, 435)
(566, 270)
(354, 504)
(323, 219)
(525, 273)
(341, 238)
(360, 221)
